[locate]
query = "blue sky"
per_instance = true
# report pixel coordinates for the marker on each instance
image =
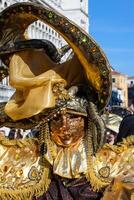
(112, 27)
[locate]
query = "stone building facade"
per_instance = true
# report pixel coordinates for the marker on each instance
(119, 86)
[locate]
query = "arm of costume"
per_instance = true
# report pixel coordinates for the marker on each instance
(20, 172)
(122, 188)
(113, 167)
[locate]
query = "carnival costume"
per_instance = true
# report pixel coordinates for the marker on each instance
(61, 101)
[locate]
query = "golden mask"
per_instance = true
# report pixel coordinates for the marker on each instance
(67, 129)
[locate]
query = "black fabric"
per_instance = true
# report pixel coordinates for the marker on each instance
(21, 45)
(76, 190)
(126, 128)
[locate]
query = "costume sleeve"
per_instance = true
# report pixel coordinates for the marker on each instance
(114, 164)
(120, 189)
(21, 175)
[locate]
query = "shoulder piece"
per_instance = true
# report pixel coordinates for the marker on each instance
(110, 162)
(20, 170)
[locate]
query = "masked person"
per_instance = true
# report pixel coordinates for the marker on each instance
(60, 100)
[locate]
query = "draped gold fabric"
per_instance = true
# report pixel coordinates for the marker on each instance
(33, 87)
(33, 74)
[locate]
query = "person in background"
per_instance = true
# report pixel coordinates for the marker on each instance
(126, 128)
(131, 107)
(11, 134)
(33, 133)
(110, 136)
(112, 123)
(15, 134)
(18, 134)
(2, 134)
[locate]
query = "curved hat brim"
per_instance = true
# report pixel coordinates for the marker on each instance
(14, 21)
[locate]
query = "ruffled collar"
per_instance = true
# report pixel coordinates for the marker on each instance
(68, 162)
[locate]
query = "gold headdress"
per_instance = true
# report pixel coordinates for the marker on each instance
(88, 59)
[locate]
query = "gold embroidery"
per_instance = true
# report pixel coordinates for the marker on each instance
(23, 177)
(33, 174)
(104, 172)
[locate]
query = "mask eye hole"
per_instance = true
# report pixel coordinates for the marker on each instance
(72, 116)
(57, 117)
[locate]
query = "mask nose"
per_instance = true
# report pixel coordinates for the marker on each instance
(64, 123)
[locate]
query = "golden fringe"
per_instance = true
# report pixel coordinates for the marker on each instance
(28, 192)
(96, 183)
(91, 176)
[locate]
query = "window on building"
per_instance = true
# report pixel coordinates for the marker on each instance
(113, 80)
(5, 4)
(59, 3)
(47, 36)
(44, 35)
(53, 39)
(131, 82)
